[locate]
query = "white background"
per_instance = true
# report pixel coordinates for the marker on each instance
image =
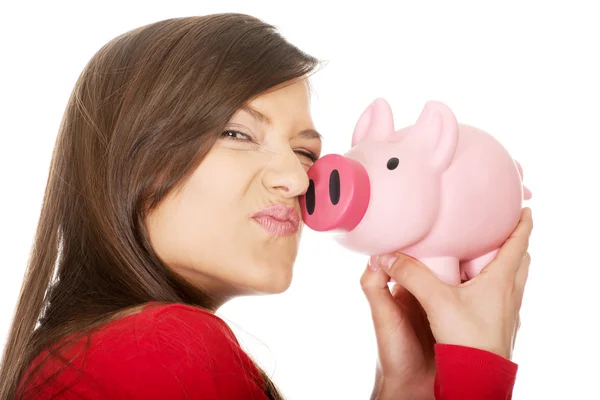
(525, 71)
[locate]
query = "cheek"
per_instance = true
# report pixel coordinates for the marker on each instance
(401, 212)
(205, 214)
(411, 203)
(219, 186)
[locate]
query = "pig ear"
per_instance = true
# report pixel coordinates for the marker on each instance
(376, 123)
(436, 135)
(362, 126)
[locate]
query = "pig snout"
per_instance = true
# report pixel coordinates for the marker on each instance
(338, 194)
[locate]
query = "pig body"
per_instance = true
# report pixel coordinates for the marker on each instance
(445, 193)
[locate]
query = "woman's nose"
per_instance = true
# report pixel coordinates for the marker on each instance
(287, 175)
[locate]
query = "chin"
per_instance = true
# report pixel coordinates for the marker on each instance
(274, 279)
(279, 287)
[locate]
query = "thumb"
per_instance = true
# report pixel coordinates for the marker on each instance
(414, 276)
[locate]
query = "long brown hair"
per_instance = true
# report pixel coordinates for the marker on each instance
(143, 114)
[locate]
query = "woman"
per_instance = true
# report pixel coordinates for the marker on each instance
(173, 189)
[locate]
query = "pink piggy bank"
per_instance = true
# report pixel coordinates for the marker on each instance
(445, 193)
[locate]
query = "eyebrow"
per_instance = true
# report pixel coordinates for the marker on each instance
(310, 134)
(257, 115)
(262, 118)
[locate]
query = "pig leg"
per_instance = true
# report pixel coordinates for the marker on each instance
(445, 268)
(470, 269)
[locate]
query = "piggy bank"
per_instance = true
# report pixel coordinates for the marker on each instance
(442, 192)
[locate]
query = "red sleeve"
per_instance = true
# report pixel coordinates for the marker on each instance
(465, 373)
(175, 352)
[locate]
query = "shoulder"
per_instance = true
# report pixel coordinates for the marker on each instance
(177, 349)
(170, 351)
(181, 324)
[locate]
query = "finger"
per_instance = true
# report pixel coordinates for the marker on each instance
(515, 247)
(522, 274)
(515, 333)
(392, 315)
(401, 295)
(415, 277)
(418, 319)
(374, 283)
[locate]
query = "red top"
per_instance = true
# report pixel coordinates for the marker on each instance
(181, 352)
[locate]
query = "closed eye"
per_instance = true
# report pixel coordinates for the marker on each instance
(311, 156)
(240, 136)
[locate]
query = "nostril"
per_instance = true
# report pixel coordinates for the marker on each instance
(334, 187)
(392, 163)
(310, 198)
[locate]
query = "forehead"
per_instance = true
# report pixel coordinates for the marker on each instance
(288, 101)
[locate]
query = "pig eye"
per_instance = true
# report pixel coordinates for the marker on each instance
(392, 163)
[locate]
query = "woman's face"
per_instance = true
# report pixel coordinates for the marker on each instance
(235, 226)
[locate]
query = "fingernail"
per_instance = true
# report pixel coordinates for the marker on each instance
(386, 261)
(373, 265)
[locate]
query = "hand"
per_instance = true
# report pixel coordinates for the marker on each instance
(482, 313)
(406, 362)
